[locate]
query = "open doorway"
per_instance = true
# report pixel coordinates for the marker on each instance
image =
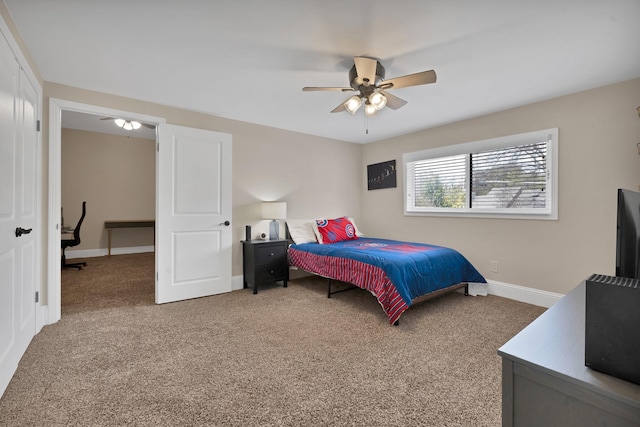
(59, 199)
(190, 225)
(111, 170)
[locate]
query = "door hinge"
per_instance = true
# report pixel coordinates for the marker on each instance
(156, 276)
(37, 296)
(38, 126)
(158, 147)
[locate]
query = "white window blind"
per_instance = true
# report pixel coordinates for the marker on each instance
(512, 178)
(502, 177)
(441, 182)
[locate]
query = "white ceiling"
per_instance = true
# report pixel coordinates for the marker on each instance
(95, 123)
(249, 59)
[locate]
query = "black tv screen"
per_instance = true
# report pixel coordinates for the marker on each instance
(628, 236)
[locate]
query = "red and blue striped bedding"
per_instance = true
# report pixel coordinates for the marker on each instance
(395, 272)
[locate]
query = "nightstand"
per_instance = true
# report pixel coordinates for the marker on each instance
(264, 262)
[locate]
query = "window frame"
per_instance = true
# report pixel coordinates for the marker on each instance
(550, 212)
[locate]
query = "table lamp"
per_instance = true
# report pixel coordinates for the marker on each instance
(274, 211)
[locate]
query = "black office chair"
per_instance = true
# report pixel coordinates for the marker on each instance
(67, 243)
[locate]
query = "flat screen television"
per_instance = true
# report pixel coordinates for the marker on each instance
(628, 235)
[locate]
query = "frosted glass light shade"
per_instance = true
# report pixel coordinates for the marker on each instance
(378, 100)
(352, 104)
(127, 124)
(370, 110)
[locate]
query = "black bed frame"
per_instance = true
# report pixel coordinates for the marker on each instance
(426, 297)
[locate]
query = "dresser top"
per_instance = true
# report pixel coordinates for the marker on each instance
(555, 344)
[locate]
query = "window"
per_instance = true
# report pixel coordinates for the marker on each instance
(508, 177)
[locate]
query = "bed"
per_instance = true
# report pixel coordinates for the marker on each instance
(397, 273)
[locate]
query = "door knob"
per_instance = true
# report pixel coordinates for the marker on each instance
(226, 223)
(20, 231)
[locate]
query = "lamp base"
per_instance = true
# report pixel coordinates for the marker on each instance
(274, 230)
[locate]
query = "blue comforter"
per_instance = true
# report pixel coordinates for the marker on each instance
(414, 268)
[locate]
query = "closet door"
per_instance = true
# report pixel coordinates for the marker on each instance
(18, 253)
(26, 209)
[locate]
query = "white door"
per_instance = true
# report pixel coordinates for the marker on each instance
(18, 157)
(27, 208)
(193, 219)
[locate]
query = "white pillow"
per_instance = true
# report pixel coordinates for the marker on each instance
(301, 231)
(314, 227)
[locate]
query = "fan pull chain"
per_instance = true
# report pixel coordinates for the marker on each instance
(366, 124)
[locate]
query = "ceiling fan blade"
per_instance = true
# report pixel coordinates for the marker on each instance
(416, 79)
(340, 108)
(393, 101)
(107, 118)
(366, 69)
(342, 89)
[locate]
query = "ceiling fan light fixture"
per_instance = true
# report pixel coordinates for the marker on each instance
(127, 124)
(378, 100)
(367, 77)
(352, 104)
(370, 109)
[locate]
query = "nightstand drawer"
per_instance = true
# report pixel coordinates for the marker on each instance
(270, 273)
(270, 254)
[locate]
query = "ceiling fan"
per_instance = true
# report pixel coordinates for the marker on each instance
(367, 77)
(129, 124)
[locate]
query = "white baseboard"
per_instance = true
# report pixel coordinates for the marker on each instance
(523, 294)
(92, 253)
(42, 317)
(237, 283)
(500, 289)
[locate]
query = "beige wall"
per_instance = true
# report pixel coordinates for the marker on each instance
(116, 176)
(598, 133)
(599, 130)
(268, 164)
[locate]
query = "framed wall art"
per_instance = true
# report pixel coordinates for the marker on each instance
(381, 175)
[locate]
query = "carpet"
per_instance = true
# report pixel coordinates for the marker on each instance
(284, 357)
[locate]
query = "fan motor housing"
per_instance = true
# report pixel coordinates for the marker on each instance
(358, 84)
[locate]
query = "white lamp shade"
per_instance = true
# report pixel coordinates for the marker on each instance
(274, 210)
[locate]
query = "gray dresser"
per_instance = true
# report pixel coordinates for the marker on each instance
(546, 383)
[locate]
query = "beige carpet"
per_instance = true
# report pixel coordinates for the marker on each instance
(283, 357)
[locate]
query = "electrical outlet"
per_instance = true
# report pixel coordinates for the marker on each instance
(493, 266)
